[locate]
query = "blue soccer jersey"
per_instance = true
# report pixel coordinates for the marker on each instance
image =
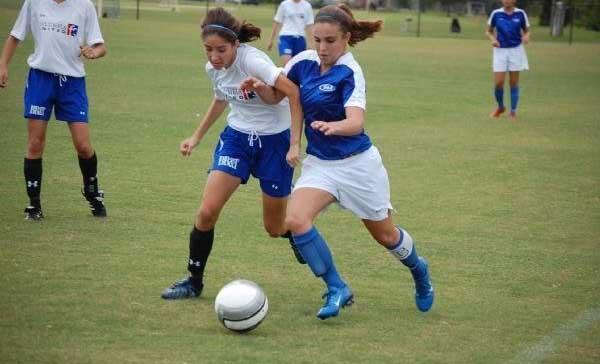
(508, 26)
(324, 97)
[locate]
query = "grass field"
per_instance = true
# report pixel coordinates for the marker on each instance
(507, 213)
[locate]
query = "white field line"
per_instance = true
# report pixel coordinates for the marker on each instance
(551, 343)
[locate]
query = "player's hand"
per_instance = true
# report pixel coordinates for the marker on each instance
(252, 84)
(293, 155)
(324, 127)
(3, 76)
(186, 146)
(270, 45)
(495, 43)
(526, 38)
(88, 52)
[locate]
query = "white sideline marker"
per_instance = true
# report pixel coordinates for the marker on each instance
(549, 344)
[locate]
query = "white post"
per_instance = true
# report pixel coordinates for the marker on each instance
(557, 19)
(99, 8)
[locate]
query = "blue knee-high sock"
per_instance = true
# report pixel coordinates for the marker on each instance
(514, 98)
(315, 251)
(405, 251)
(499, 94)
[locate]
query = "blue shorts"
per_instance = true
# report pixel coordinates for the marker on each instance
(240, 155)
(65, 94)
(290, 45)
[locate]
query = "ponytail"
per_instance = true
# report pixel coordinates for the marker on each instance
(342, 15)
(219, 21)
(248, 32)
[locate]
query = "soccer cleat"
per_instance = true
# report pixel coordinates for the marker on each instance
(96, 201)
(335, 299)
(499, 111)
(182, 289)
(33, 213)
(424, 293)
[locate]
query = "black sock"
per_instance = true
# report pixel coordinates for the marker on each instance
(287, 235)
(201, 243)
(33, 180)
(89, 171)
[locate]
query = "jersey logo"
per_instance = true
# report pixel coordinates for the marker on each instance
(516, 20)
(72, 29)
(327, 87)
(247, 95)
(238, 94)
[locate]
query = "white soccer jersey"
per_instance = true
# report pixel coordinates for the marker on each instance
(58, 29)
(294, 17)
(248, 113)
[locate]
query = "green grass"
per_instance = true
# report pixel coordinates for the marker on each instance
(507, 213)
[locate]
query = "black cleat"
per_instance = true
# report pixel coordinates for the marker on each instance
(184, 288)
(96, 201)
(33, 213)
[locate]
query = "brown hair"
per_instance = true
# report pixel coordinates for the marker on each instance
(219, 21)
(342, 15)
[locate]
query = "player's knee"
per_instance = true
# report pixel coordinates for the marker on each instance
(296, 223)
(386, 238)
(35, 146)
(84, 149)
(207, 217)
(274, 230)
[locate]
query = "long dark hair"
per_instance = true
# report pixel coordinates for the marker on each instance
(219, 21)
(342, 15)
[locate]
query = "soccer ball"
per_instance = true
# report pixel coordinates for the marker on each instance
(241, 305)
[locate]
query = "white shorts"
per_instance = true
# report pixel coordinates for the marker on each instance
(510, 59)
(359, 183)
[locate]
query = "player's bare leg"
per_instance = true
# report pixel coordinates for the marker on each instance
(499, 78)
(401, 245)
(513, 79)
(36, 141)
(88, 163)
(217, 191)
(305, 205)
(274, 220)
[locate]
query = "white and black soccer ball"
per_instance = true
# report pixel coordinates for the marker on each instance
(241, 305)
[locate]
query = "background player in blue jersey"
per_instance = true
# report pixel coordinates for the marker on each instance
(255, 141)
(508, 30)
(63, 34)
(342, 164)
(293, 19)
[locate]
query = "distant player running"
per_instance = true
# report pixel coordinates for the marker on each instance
(63, 32)
(342, 164)
(293, 19)
(255, 141)
(511, 28)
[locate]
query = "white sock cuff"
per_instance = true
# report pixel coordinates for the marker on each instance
(403, 250)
